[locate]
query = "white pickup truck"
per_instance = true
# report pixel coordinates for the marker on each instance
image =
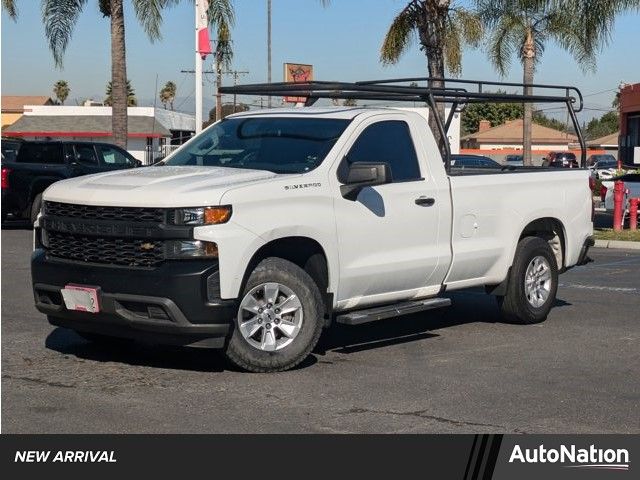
(267, 227)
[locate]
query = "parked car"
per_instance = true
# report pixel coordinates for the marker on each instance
(604, 169)
(40, 164)
(599, 157)
(563, 160)
(631, 188)
(514, 160)
(473, 161)
(271, 225)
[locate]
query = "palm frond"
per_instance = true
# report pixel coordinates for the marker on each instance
(221, 12)
(400, 35)
(452, 48)
(469, 25)
(503, 43)
(59, 18)
(224, 50)
(9, 6)
(149, 14)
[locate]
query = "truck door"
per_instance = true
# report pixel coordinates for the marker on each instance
(85, 159)
(391, 239)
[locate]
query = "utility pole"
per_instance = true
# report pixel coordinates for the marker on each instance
(200, 102)
(235, 74)
(269, 45)
(198, 72)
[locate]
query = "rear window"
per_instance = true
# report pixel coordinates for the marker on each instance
(47, 153)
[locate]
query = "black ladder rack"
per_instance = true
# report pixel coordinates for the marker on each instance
(454, 91)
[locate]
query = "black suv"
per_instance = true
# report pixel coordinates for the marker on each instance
(39, 164)
(564, 160)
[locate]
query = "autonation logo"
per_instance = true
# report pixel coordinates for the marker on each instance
(574, 457)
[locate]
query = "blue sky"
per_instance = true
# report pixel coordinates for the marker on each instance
(342, 41)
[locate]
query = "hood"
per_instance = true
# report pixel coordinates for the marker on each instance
(154, 186)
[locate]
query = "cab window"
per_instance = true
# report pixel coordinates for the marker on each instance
(389, 142)
(112, 156)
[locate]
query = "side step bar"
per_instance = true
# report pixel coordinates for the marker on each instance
(380, 313)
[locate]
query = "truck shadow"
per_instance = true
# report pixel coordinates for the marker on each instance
(469, 306)
(68, 342)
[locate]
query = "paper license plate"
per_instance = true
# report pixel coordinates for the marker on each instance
(81, 299)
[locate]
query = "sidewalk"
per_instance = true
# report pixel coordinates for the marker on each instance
(618, 244)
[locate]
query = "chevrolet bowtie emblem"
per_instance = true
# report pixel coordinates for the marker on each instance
(147, 246)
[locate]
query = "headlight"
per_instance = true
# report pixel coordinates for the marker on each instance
(180, 249)
(202, 215)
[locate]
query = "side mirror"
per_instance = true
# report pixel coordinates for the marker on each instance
(137, 163)
(364, 174)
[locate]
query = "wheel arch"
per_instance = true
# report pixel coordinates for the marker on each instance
(550, 229)
(305, 252)
(553, 231)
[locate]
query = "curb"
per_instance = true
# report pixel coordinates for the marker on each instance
(618, 244)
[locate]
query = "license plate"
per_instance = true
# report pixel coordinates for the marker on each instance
(81, 299)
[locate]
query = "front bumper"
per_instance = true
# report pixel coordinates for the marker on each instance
(175, 303)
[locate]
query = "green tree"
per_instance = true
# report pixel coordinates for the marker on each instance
(541, 119)
(227, 109)
(524, 27)
(496, 113)
(60, 17)
(600, 127)
(442, 28)
(168, 94)
(132, 101)
(61, 91)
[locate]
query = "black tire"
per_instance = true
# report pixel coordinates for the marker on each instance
(246, 356)
(35, 208)
(514, 306)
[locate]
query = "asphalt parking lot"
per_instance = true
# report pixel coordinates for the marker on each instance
(456, 370)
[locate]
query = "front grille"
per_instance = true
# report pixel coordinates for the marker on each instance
(91, 212)
(110, 251)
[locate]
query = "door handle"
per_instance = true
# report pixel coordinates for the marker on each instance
(425, 201)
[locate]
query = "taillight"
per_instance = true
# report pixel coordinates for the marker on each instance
(603, 192)
(592, 184)
(5, 177)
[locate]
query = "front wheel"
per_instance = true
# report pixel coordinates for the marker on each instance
(533, 283)
(279, 318)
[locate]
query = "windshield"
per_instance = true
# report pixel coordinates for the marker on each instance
(279, 145)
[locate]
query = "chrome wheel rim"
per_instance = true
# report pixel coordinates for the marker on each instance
(270, 317)
(537, 281)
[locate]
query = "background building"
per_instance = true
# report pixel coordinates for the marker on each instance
(152, 132)
(508, 136)
(630, 124)
(13, 106)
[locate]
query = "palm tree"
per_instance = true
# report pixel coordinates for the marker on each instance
(60, 17)
(132, 101)
(61, 91)
(223, 55)
(524, 27)
(168, 94)
(442, 28)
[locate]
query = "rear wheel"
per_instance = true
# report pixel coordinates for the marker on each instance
(533, 283)
(279, 318)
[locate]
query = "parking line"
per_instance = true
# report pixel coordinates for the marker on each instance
(598, 287)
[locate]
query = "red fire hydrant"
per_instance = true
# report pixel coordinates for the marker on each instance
(633, 213)
(618, 204)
